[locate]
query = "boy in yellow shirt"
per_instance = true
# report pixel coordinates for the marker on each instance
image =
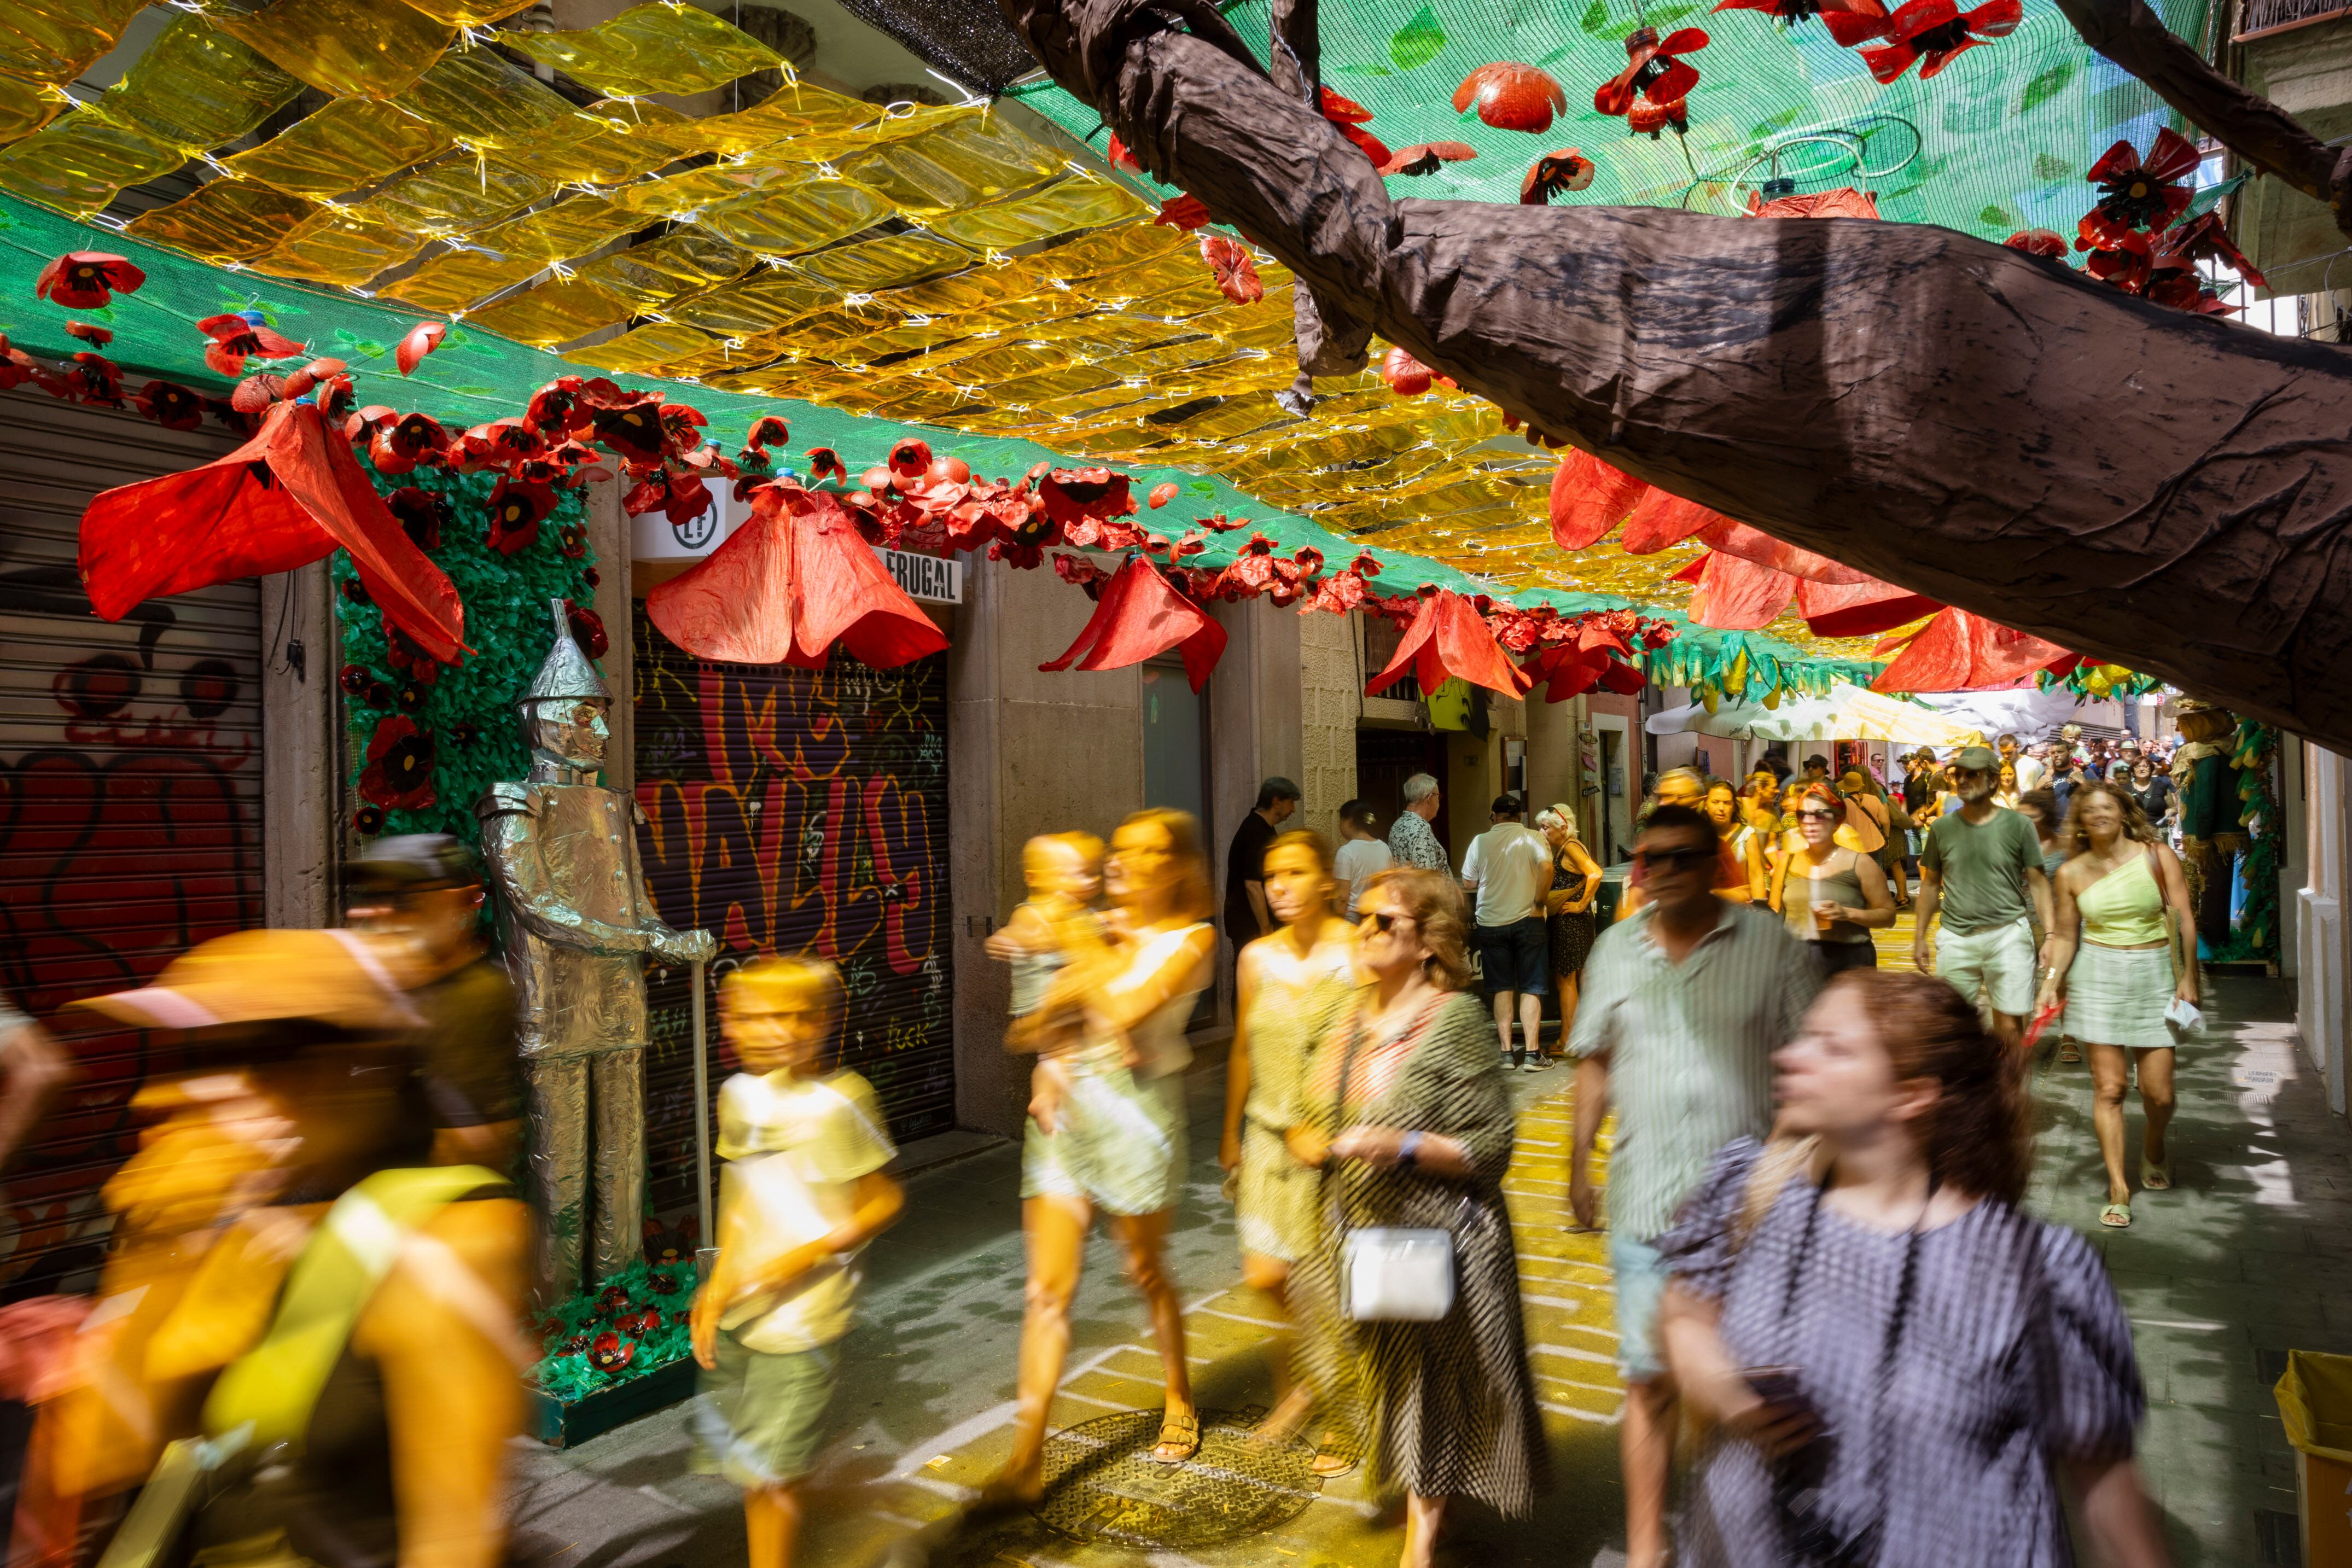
(803, 1192)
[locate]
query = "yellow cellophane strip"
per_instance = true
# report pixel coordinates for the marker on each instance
(759, 304)
(57, 40)
(225, 220)
(481, 101)
(456, 280)
(1080, 201)
(570, 227)
(367, 49)
(554, 312)
(788, 222)
(681, 262)
(27, 106)
(885, 262)
(639, 350)
(457, 194)
(339, 248)
(194, 88)
(651, 48)
(348, 145)
(77, 163)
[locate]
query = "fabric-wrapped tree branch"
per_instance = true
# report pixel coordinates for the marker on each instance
(1955, 417)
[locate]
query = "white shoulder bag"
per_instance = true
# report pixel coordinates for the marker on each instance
(1390, 1273)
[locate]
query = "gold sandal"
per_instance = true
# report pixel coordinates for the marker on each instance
(1177, 1432)
(1332, 1457)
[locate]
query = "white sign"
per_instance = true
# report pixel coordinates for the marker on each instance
(653, 537)
(935, 580)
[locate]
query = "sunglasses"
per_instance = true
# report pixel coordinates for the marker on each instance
(1384, 921)
(1820, 816)
(1672, 860)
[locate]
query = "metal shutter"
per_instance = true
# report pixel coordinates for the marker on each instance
(798, 810)
(130, 799)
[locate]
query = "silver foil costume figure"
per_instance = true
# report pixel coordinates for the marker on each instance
(577, 924)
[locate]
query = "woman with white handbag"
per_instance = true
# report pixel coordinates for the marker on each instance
(1410, 1123)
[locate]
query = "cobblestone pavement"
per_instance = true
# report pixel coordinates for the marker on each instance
(2220, 1276)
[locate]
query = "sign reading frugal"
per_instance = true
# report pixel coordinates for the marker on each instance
(935, 580)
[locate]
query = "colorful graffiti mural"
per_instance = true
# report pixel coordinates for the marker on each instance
(797, 810)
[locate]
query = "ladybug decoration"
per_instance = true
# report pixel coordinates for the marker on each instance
(608, 1352)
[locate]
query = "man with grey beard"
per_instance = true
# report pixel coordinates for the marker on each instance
(1980, 867)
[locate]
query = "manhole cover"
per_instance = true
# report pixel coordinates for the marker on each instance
(1101, 1485)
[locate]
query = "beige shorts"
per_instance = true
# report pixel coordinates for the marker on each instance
(1993, 967)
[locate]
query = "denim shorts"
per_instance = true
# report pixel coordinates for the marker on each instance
(1641, 1276)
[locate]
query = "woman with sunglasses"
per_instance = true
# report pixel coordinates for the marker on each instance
(1896, 1365)
(1746, 846)
(1410, 1122)
(1832, 896)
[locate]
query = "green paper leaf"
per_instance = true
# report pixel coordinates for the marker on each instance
(2046, 86)
(1418, 42)
(1596, 18)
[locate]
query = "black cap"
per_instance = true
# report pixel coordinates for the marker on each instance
(414, 862)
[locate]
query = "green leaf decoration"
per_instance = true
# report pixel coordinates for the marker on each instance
(1418, 41)
(1596, 18)
(1998, 217)
(2050, 166)
(2046, 86)
(1366, 71)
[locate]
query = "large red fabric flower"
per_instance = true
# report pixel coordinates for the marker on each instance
(1933, 32)
(171, 405)
(1448, 638)
(1139, 616)
(1958, 652)
(795, 579)
(1737, 595)
(401, 444)
(240, 335)
(1509, 96)
(290, 496)
(399, 772)
(1588, 497)
(86, 279)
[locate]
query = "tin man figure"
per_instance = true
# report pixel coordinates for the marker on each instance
(577, 924)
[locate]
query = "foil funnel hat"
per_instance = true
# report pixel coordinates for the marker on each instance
(567, 675)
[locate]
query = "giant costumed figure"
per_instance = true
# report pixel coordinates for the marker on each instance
(577, 924)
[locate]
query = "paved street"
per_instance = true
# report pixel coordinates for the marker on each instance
(2221, 1277)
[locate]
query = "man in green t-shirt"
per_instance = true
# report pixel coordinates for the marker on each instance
(1980, 866)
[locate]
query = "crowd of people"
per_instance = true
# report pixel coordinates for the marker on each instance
(1825, 1287)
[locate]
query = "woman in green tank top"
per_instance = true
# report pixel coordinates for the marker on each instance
(2119, 963)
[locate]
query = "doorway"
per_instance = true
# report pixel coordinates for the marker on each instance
(1385, 759)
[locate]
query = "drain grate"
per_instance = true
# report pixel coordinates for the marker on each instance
(2279, 1535)
(1101, 1485)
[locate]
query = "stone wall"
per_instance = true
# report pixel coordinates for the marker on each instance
(1329, 689)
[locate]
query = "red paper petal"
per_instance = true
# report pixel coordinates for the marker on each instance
(1588, 497)
(1139, 616)
(421, 340)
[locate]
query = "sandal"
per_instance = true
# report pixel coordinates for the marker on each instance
(2117, 1217)
(2069, 1054)
(1333, 1457)
(2155, 1175)
(1176, 1432)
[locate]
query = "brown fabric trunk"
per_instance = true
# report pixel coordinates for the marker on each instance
(2156, 489)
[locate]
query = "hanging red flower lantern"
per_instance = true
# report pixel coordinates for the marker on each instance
(557, 407)
(1933, 32)
(86, 279)
(171, 405)
(399, 772)
(1138, 616)
(93, 378)
(1555, 174)
(1447, 638)
(632, 433)
(1511, 97)
(517, 508)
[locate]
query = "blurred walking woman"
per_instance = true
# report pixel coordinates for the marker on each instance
(1412, 1125)
(1117, 1141)
(2120, 964)
(1575, 884)
(1899, 1367)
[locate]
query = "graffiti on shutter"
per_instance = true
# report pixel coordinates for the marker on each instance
(798, 812)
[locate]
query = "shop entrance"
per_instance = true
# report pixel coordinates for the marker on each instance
(1385, 759)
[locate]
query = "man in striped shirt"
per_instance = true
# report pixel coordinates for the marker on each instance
(1684, 1001)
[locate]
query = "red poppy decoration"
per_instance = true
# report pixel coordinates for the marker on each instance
(794, 580)
(1406, 376)
(1139, 616)
(1183, 212)
(825, 460)
(86, 279)
(368, 821)
(2173, 264)
(1931, 32)
(1427, 157)
(1655, 78)
(1236, 274)
(632, 433)
(401, 652)
(557, 406)
(2137, 195)
(421, 515)
(1845, 201)
(420, 340)
(405, 442)
(399, 772)
(1072, 496)
(240, 335)
(1161, 494)
(171, 405)
(1448, 638)
(257, 392)
(315, 374)
(909, 460)
(1849, 22)
(1118, 157)
(767, 430)
(2038, 242)
(16, 367)
(96, 337)
(517, 508)
(1350, 118)
(608, 1352)
(1555, 173)
(93, 378)
(1511, 97)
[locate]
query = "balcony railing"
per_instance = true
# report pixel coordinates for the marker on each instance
(2269, 16)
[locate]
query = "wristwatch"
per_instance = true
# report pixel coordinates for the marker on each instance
(1408, 1151)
